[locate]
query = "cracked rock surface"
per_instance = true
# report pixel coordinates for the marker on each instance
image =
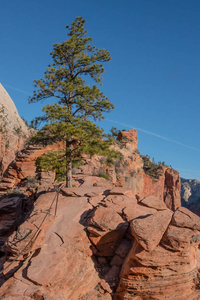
(104, 244)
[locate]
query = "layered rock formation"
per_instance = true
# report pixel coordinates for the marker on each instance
(24, 165)
(128, 171)
(190, 195)
(104, 243)
(13, 131)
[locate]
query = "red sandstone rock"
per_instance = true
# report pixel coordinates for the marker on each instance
(11, 214)
(119, 202)
(106, 230)
(112, 276)
(121, 191)
(65, 264)
(149, 186)
(24, 164)
(179, 239)
(172, 195)
(96, 200)
(148, 230)
(81, 192)
(128, 172)
(96, 181)
(120, 253)
(63, 267)
(185, 218)
(159, 274)
(136, 211)
(105, 219)
(153, 202)
(129, 139)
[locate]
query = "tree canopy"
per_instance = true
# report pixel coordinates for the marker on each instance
(77, 104)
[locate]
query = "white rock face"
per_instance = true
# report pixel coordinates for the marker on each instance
(190, 194)
(13, 130)
(190, 190)
(9, 113)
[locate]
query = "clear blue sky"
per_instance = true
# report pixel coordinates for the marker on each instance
(153, 78)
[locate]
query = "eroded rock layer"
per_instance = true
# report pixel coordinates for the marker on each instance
(128, 171)
(105, 242)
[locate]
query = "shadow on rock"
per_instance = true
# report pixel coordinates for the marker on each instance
(110, 243)
(14, 210)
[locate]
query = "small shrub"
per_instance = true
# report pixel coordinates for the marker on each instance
(18, 130)
(31, 182)
(119, 143)
(118, 171)
(14, 192)
(104, 175)
(132, 173)
(125, 164)
(126, 179)
(110, 161)
(150, 168)
(78, 163)
(114, 132)
(7, 144)
(98, 287)
(95, 172)
(102, 161)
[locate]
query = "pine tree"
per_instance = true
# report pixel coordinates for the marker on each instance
(77, 104)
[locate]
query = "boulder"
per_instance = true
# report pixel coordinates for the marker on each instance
(153, 202)
(179, 239)
(137, 211)
(106, 230)
(186, 219)
(148, 230)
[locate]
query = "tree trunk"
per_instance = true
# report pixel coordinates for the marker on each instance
(68, 164)
(69, 173)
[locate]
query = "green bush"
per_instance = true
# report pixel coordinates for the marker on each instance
(104, 175)
(150, 168)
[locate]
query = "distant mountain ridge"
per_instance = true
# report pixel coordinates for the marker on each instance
(190, 194)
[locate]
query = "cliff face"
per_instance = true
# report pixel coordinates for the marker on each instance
(131, 171)
(190, 195)
(13, 131)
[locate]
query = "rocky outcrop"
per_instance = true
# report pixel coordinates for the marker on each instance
(60, 263)
(24, 166)
(13, 211)
(172, 189)
(13, 131)
(105, 244)
(128, 171)
(190, 195)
